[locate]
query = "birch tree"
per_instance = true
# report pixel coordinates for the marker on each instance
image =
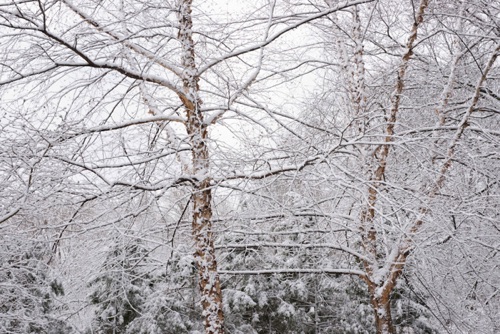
(120, 96)
(389, 243)
(398, 118)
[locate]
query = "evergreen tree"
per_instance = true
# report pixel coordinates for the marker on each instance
(121, 287)
(28, 293)
(171, 306)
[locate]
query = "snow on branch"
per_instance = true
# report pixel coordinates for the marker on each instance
(294, 271)
(280, 33)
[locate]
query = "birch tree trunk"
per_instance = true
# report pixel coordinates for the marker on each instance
(380, 281)
(209, 283)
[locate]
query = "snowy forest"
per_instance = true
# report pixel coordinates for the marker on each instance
(245, 167)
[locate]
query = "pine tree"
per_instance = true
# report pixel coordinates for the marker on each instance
(28, 292)
(171, 307)
(121, 288)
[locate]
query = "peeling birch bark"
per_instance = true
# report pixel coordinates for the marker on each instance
(380, 280)
(209, 283)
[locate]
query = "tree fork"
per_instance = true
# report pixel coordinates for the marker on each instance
(380, 292)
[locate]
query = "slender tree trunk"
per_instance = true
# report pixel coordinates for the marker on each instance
(209, 283)
(380, 291)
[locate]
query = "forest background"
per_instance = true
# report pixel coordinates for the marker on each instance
(269, 166)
